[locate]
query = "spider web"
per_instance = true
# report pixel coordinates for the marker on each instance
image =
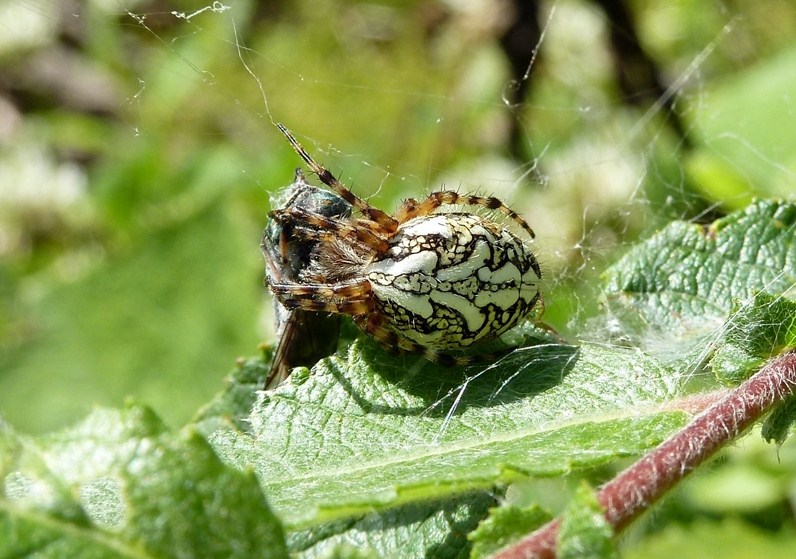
(400, 102)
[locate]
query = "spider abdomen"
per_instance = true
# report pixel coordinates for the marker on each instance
(449, 280)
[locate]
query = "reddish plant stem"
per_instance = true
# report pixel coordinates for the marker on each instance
(633, 491)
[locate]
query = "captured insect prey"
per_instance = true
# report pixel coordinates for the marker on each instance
(418, 281)
(304, 336)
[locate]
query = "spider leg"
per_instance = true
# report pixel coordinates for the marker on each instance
(411, 208)
(320, 227)
(343, 298)
(380, 217)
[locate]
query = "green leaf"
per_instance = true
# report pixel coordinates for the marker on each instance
(345, 551)
(231, 406)
(366, 433)
(585, 532)
(424, 529)
(764, 327)
(757, 330)
(121, 485)
(505, 525)
(674, 291)
(777, 426)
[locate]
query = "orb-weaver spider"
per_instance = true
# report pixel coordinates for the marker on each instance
(417, 281)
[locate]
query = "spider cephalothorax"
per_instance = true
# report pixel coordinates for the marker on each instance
(417, 281)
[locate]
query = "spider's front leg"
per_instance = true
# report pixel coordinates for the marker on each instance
(411, 208)
(351, 298)
(374, 214)
(323, 228)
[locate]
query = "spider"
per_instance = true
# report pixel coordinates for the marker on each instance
(417, 281)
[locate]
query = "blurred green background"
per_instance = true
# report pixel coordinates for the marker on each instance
(137, 154)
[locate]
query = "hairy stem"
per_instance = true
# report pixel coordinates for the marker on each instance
(633, 491)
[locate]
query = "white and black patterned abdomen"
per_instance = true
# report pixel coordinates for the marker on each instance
(453, 279)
